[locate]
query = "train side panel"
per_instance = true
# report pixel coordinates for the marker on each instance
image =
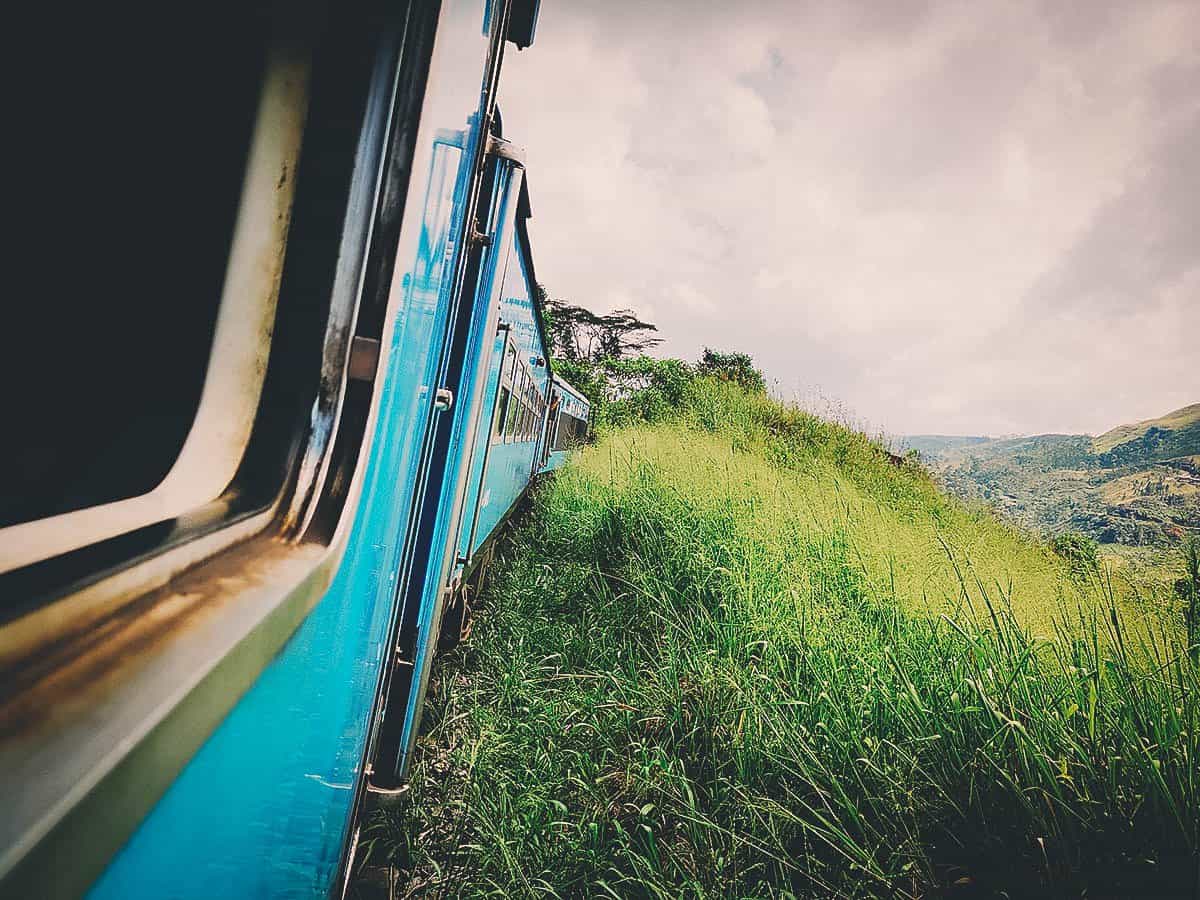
(274, 637)
(445, 514)
(264, 807)
(469, 538)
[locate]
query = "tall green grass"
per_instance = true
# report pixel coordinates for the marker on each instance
(742, 654)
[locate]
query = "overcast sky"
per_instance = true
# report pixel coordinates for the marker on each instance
(952, 217)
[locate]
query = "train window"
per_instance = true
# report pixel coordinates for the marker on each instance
(183, 207)
(514, 407)
(525, 411)
(570, 430)
(501, 412)
(504, 398)
(533, 411)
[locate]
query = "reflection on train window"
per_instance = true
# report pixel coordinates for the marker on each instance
(514, 407)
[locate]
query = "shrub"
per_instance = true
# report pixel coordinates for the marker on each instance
(736, 367)
(632, 389)
(1079, 550)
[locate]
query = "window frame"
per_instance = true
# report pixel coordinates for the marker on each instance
(221, 428)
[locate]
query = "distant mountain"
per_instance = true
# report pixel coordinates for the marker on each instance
(1038, 450)
(939, 443)
(1137, 485)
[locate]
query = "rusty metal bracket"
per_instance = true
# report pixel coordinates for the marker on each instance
(364, 359)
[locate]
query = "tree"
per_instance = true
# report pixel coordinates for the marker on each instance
(577, 334)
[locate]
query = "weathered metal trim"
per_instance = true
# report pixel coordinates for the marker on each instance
(346, 298)
(201, 669)
(59, 621)
(502, 149)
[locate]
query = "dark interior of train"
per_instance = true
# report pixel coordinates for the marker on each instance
(132, 180)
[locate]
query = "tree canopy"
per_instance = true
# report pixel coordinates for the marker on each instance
(577, 334)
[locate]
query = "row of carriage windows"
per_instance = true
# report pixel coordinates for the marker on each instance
(520, 408)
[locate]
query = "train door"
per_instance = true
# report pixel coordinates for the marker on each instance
(551, 424)
(453, 459)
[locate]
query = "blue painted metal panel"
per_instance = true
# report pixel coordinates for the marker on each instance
(507, 476)
(263, 808)
(468, 542)
(557, 458)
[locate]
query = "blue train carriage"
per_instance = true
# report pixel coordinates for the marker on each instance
(220, 596)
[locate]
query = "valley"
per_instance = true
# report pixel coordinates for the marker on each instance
(1136, 486)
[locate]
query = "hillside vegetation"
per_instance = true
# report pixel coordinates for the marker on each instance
(739, 652)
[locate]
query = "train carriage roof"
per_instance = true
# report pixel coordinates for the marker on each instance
(524, 214)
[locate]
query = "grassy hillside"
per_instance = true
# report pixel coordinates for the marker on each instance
(743, 654)
(1178, 420)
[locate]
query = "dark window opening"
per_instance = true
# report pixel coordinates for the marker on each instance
(501, 414)
(134, 153)
(570, 432)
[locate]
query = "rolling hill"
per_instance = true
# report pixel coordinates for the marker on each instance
(1181, 420)
(932, 444)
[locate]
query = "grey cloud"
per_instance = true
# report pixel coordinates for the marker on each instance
(1082, 23)
(1147, 237)
(954, 217)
